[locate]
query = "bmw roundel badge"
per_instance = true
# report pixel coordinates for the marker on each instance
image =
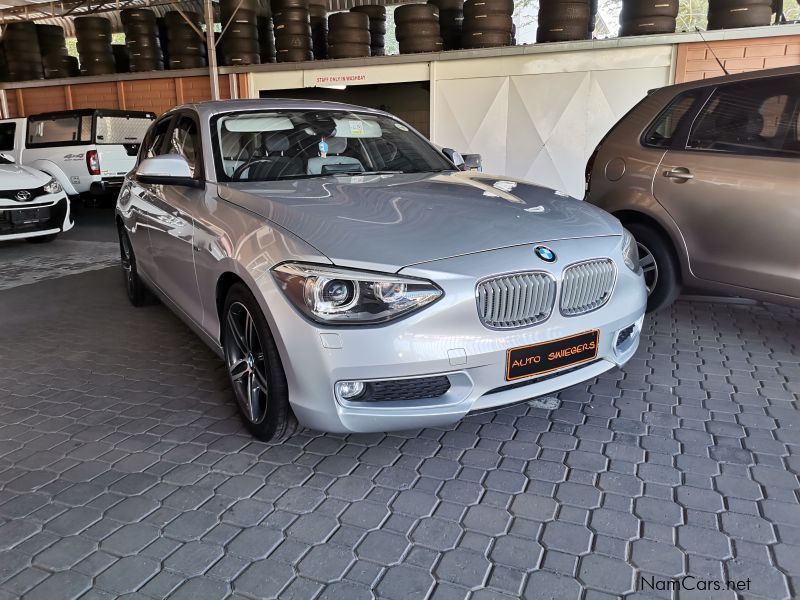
(545, 254)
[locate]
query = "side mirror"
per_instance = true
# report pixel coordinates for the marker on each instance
(167, 169)
(7, 157)
(473, 162)
(455, 158)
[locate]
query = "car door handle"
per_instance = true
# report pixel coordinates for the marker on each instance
(679, 173)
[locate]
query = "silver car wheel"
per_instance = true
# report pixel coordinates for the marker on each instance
(244, 355)
(649, 267)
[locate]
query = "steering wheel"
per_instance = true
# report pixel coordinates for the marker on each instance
(237, 174)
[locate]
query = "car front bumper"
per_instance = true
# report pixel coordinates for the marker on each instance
(46, 215)
(447, 339)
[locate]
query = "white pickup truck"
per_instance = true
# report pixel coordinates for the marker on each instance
(88, 151)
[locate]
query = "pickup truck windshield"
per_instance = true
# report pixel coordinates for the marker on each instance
(298, 144)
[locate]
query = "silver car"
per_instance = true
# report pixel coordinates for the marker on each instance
(355, 280)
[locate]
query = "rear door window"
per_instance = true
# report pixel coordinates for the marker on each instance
(752, 118)
(663, 130)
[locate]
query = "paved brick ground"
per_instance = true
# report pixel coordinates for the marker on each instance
(125, 470)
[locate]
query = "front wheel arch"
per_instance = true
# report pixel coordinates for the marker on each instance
(664, 276)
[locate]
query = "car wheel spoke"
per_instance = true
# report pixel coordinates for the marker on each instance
(249, 328)
(261, 380)
(239, 369)
(236, 334)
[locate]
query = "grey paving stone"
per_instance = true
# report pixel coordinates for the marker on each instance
(326, 563)
(401, 582)
(545, 584)
(384, 547)
(128, 574)
(61, 585)
(606, 574)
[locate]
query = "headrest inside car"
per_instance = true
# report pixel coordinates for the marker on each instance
(276, 142)
(336, 145)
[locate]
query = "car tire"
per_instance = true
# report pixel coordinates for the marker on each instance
(664, 284)
(253, 364)
(134, 286)
(42, 239)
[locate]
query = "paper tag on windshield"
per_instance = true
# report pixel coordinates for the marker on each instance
(356, 127)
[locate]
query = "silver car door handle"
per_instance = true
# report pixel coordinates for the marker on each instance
(678, 174)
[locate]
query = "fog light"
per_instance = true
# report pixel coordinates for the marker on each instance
(626, 338)
(347, 390)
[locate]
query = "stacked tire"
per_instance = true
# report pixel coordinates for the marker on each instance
(94, 46)
(487, 23)
(266, 39)
(292, 30)
(3, 63)
(564, 21)
(318, 14)
(240, 33)
(141, 37)
(122, 58)
(56, 63)
(377, 27)
(23, 56)
(732, 14)
(185, 48)
(592, 16)
(417, 28)
(643, 17)
(348, 35)
(451, 21)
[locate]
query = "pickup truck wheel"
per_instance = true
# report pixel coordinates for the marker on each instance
(134, 286)
(42, 239)
(254, 367)
(660, 266)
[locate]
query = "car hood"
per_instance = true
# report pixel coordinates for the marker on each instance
(16, 177)
(387, 222)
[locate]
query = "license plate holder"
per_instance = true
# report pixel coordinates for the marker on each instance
(546, 357)
(29, 216)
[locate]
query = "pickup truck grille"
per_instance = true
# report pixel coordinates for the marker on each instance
(516, 300)
(587, 286)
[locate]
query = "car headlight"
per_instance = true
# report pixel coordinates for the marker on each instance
(334, 295)
(52, 187)
(630, 251)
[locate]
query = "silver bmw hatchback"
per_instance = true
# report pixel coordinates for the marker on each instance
(355, 279)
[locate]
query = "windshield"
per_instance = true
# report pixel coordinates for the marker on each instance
(297, 144)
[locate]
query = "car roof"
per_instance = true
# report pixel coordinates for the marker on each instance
(748, 76)
(208, 109)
